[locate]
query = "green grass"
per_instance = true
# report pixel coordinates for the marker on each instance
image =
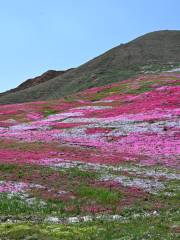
(16, 206)
(163, 227)
(81, 174)
(8, 167)
(48, 112)
(172, 187)
(99, 194)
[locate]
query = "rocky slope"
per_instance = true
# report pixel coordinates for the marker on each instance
(35, 81)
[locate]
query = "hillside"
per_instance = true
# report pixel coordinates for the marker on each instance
(35, 81)
(100, 164)
(151, 52)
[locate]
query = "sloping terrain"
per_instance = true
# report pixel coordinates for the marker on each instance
(154, 51)
(101, 164)
(35, 81)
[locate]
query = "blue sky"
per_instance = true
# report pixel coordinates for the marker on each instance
(37, 35)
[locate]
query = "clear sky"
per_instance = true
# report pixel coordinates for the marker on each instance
(38, 35)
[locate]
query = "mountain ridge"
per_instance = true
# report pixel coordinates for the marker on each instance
(46, 76)
(150, 52)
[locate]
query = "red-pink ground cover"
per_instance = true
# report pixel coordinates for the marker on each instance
(121, 141)
(140, 125)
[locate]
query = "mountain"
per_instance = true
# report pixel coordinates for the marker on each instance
(154, 51)
(35, 81)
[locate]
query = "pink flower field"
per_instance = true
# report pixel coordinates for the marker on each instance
(107, 152)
